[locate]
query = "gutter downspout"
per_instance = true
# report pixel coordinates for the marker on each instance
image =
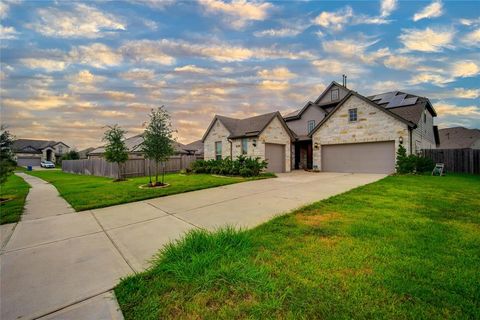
(410, 138)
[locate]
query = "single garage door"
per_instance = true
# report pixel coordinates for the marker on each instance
(372, 157)
(28, 161)
(275, 156)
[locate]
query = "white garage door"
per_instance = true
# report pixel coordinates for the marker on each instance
(28, 161)
(372, 157)
(275, 156)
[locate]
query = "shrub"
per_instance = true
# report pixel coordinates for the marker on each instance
(242, 166)
(412, 163)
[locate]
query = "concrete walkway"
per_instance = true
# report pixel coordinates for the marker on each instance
(64, 266)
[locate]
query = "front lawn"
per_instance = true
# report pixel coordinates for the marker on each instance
(405, 247)
(89, 192)
(16, 189)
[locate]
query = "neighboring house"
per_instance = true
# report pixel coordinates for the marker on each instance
(459, 138)
(343, 131)
(195, 147)
(83, 154)
(134, 146)
(266, 136)
(29, 152)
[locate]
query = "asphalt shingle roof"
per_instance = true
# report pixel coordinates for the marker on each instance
(134, 144)
(247, 127)
(31, 145)
(458, 138)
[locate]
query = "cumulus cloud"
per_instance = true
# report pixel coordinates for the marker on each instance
(472, 38)
(334, 20)
(465, 69)
(238, 12)
(428, 40)
(274, 85)
(281, 73)
(138, 74)
(44, 63)
(191, 68)
(355, 48)
(148, 51)
(119, 95)
(8, 33)
(433, 10)
(444, 109)
(96, 55)
(401, 62)
(387, 6)
(81, 21)
(466, 93)
(432, 78)
(40, 102)
(337, 67)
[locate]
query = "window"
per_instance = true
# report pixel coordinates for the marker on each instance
(334, 94)
(218, 150)
(244, 145)
(310, 125)
(424, 118)
(352, 115)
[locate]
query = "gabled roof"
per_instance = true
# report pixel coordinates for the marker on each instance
(33, 144)
(134, 145)
(248, 127)
(353, 93)
(196, 146)
(458, 137)
(333, 83)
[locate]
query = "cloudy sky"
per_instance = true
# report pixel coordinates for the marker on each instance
(68, 69)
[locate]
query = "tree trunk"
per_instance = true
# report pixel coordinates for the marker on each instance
(156, 172)
(163, 173)
(150, 172)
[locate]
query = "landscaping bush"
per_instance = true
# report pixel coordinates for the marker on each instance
(412, 163)
(243, 166)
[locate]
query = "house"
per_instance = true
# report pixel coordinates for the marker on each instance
(83, 154)
(266, 136)
(341, 131)
(29, 152)
(459, 138)
(195, 147)
(134, 146)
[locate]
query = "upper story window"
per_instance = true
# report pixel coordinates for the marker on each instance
(218, 150)
(244, 145)
(352, 115)
(424, 118)
(310, 125)
(335, 94)
(60, 149)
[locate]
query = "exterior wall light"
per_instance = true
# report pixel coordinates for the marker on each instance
(400, 140)
(316, 146)
(254, 142)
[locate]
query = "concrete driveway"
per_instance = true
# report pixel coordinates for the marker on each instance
(65, 266)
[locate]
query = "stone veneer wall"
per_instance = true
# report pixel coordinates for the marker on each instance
(217, 133)
(276, 133)
(372, 125)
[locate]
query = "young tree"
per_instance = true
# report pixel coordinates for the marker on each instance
(7, 163)
(115, 149)
(157, 144)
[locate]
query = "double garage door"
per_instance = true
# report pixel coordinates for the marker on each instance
(28, 161)
(275, 156)
(372, 157)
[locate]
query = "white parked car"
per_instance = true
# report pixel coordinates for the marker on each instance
(47, 164)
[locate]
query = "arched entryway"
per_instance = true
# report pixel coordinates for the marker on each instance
(49, 155)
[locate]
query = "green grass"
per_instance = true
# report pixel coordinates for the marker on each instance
(406, 247)
(89, 192)
(15, 189)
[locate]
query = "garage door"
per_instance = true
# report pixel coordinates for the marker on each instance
(25, 161)
(374, 157)
(275, 156)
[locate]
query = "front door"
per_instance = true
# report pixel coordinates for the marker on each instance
(309, 155)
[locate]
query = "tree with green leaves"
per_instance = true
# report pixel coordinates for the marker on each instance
(115, 150)
(7, 162)
(157, 144)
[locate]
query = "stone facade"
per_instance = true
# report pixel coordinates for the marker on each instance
(273, 133)
(372, 125)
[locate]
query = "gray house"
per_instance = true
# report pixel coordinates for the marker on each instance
(459, 138)
(30, 152)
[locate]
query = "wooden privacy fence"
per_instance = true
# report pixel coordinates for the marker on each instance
(456, 160)
(133, 167)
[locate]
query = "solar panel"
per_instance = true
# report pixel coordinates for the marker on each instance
(386, 97)
(396, 101)
(409, 101)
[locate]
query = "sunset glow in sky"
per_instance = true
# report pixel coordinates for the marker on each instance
(70, 68)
